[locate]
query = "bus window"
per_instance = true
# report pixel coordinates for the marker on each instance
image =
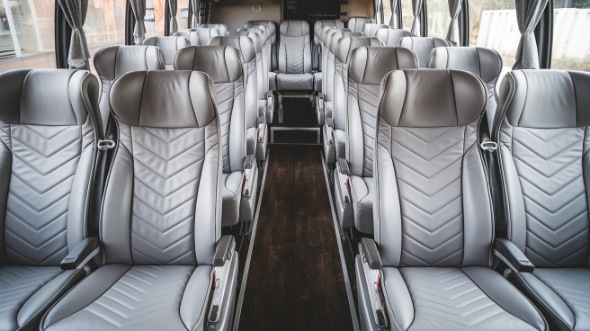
(155, 13)
(407, 14)
(492, 24)
(571, 45)
(439, 18)
(182, 14)
(27, 34)
(105, 25)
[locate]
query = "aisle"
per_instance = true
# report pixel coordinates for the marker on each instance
(295, 280)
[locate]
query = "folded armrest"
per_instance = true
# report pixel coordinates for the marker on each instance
(512, 256)
(248, 175)
(343, 178)
(321, 109)
(249, 162)
(223, 252)
(371, 253)
(81, 254)
(371, 265)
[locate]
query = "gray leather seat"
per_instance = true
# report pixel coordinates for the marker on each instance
(542, 134)
(391, 37)
(317, 40)
(433, 218)
(294, 72)
(168, 45)
(256, 130)
(368, 66)
(423, 47)
(485, 63)
(370, 29)
(223, 65)
(221, 28)
(334, 130)
(112, 62)
(272, 33)
(160, 222)
(199, 36)
(49, 127)
(357, 24)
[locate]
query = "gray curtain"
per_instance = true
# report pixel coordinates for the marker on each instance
(417, 8)
(528, 14)
(454, 10)
(138, 7)
(393, 20)
(75, 13)
(173, 6)
(195, 17)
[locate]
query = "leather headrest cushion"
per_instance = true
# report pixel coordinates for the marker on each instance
(242, 43)
(368, 65)
(221, 63)
(348, 44)
(484, 62)
(294, 28)
(111, 62)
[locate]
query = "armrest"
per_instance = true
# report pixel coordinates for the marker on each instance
(224, 250)
(512, 256)
(81, 254)
(371, 253)
(329, 122)
(249, 162)
(343, 178)
(343, 167)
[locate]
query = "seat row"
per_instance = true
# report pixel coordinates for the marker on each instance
(154, 185)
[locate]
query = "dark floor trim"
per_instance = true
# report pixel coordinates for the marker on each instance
(240, 300)
(351, 303)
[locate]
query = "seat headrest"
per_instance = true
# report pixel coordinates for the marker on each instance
(48, 97)
(484, 62)
(221, 28)
(391, 37)
(164, 99)
(294, 28)
(370, 29)
(431, 98)
(168, 45)
(111, 62)
(347, 44)
(261, 34)
(547, 99)
(253, 36)
(242, 43)
(272, 26)
(191, 35)
(318, 25)
(368, 65)
(423, 46)
(221, 63)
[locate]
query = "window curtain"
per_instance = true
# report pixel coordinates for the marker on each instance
(528, 14)
(173, 6)
(417, 8)
(393, 22)
(138, 7)
(454, 10)
(195, 17)
(75, 14)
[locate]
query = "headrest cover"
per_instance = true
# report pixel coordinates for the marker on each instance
(221, 63)
(391, 37)
(545, 99)
(484, 62)
(164, 99)
(111, 62)
(48, 96)
(241, 43)
(431, 98)
(348, 44)
(294, 28)
(368, 65)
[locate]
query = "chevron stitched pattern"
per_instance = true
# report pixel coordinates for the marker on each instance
(294, 54)
(428, 164)
(167, 168)
(549, 165)
(368, 101)
(225, 95)
(148, 295)
(447, 296)
(572, 285)
(44, 164)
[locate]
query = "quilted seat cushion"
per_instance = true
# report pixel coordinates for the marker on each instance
(123, 297)
(472, 298)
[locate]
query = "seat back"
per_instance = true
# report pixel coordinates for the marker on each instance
(112, 62)
(422, 47)
(368, 66)
(328, 62)
(248, 56)
(272, 28)
(542, 134)
(49, 126)
(168, 45)
(258, 49)
(223, 65)
(485, 63)
(432, 203)
(391, 37)
(342, 55)
(357, 24)
(199, 36)
(162, 197)
(264, 60)
(294, 48)
(370, 29)
(221, 28)
(319, 24)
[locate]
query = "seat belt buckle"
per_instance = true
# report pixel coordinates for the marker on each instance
(105, 144)
(489, 146)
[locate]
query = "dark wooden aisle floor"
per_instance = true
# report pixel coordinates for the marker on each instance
(295, 280)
